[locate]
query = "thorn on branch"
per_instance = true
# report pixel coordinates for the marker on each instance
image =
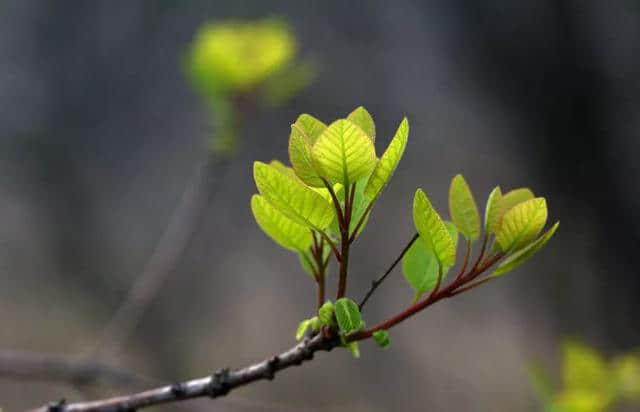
(219, 385)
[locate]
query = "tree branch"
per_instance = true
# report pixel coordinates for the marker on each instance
(221, 383)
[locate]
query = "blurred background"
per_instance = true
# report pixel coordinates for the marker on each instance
(101, 133)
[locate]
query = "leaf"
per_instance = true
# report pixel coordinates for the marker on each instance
(348, 316)
(420, 265)
(306, 261)
(524, 254)
(463, 209)
(302, 328)
(304, 133)
(325, 313)
(521, 224)
(388, 163)
(492, 211)
(292, 198)
(343, 153)
(284, 231)
(432, 230)
(361, 117)
(382, 338)
(354, 348)
(584, 368)
(507, 202)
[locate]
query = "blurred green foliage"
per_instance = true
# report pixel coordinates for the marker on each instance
(590, 383)
(237, 65)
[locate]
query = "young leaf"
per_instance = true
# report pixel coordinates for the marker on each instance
(463, 209)
(348, 316)
(302, 328)
(354, 348)
(362, 118)
(382, 338)
(491, 212)
(420, 266)
(507, 202)
(387, 164)
(304, 133)
(284, 231)
(432, 230)
(360, 203)
(521, 224)
(343, 153)
(524, 254)
(292, 198)
(325, 313)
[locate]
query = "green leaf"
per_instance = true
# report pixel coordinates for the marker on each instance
(382, 338)
(325, 313)
(492, 211)
(292, 198)
(302, 328)
(524, 254)
(463, 209)
(306, 261)
(388, 163)
(354, 348)
(343, 153)
(362, 118)
(304, 133)
(421, 268)
(360, 203)
(284, 231)
(521, 224)
(348, 316)
(432, 230)
(507, 202)
(584, 368)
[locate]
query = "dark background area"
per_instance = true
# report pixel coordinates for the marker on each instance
(100, 132)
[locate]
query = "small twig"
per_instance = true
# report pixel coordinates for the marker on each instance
(360, 223)
(376, 283)
(344, 241)
(467, 256)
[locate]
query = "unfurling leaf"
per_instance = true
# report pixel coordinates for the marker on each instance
(388, 162)
(420, 265)
(382, 338)
(348, 316)
(304, 133)
(354, 348)
(507, 202)
(524, 254)
(432, 230)
(325, 313)
(343, 153)
(492, 211)
(302, 328)
(284, 231)
(361, 117)
(463, 209)
(521, 224)
(292, 198)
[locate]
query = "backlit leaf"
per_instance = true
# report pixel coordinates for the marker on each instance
(304, 133)
(343, 153)
(432, 230)
(292, 198)
(463, 208)
(284, 231)
(388, 162)
(348, 316)
(507, 202)
(492, 211)
(362, 118)
(524, 254)
(521, 224)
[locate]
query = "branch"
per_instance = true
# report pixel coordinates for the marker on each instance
(164, 258)
(221, 383)
(50, 367)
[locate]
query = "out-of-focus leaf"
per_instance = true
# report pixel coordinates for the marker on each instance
(521, 224)
(382, 338)
(388, 162)
(362, 118)
(343, 153)
(432, 230)
(354, 348)
(288, 82)
(284, 231)
(463, 208)
(524, 254)
(584, 369)
(292, 198)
